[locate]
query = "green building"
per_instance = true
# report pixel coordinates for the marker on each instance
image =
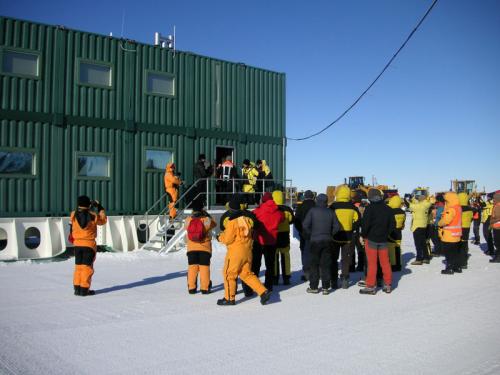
(91, 114)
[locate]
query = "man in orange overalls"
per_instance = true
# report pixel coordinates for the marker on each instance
(84, 222)
(172, 183)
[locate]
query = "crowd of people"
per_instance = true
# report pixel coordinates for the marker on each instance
(370, 227)
(254, 179)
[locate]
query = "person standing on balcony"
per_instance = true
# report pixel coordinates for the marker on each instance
(202, 170)
(249, 174)
(226, 174)
(172, 182)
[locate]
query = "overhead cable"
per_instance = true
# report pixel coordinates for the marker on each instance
(373, 82)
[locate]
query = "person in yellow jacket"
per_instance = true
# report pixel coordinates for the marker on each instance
(83, 223)
(450, 233)
(249, 174)
(199, 247)
(394, 243)
(348, 217)
(485, 219)
(265, 178)
(467, 214)
(495, 225)
(172, 183)
(283, 242)
(238, 237)
(420, 207)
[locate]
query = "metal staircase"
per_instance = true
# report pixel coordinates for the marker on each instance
(168, 235)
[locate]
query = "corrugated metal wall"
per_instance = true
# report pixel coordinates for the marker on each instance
(216, 103)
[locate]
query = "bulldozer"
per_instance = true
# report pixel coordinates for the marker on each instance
(463, 186)
(357, 184)
(358, 189)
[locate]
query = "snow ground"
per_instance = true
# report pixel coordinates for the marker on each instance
(143, 321)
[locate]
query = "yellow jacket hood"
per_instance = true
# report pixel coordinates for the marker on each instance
(278, 197)
(343, 194)
(451, 199)
(395, 201)
(463, 198)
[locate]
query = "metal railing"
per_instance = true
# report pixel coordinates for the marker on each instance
(211, 188)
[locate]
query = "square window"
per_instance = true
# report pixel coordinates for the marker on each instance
(20, 63)
(17, 162)
(95, 74)
(161, 84)
(158, 159)
(93, 166)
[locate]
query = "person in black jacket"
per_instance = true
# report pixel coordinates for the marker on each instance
(300, 214)
(202, 169)
(320, 224)
(377, 223)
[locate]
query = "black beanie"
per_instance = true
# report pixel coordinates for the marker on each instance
(308, 194)
(83, 201)
(201, 157)
(246, 162)
(234, 203)
(197, 205)
(375, 195)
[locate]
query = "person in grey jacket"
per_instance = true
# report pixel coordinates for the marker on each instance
(320, 225)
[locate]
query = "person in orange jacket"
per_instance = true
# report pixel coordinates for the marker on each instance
(450, 233)
(199, 247)
(83, 232)
(172, 183)
(238, 237)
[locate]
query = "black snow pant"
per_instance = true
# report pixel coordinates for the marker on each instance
(464, 247)
(488, 236)
(420, 238)
(477, 223)
(269, 253)
(320, 261)
(496, 236)
(357, 249)
(436, 240)
(344, 249)
(451, 252)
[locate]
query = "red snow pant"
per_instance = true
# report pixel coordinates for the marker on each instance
(374, 252)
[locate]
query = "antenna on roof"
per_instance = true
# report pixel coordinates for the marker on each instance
(165, 41)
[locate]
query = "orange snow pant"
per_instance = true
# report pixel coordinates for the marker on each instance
(237, 266)
(84, 266)
(376, 252)
(199, 262)
(173, 194)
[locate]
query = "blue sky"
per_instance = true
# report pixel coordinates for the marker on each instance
(434, 115)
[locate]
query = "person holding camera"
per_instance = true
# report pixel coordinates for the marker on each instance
(172, 183)
(83, 232)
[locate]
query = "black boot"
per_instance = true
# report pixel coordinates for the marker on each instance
(77, 289)
(447, 271)
(192, 291)
(345, 282)
(86, 292)
(276, 280)
(209, 290)
(225, 302)
(495, 260)
(264, 297)
(286, 280)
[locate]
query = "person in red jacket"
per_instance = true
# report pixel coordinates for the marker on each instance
(265, 238)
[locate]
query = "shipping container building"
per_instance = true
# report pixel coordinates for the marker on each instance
(82, 113)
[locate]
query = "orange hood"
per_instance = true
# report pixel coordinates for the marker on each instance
(170, 168)
(451, 199)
